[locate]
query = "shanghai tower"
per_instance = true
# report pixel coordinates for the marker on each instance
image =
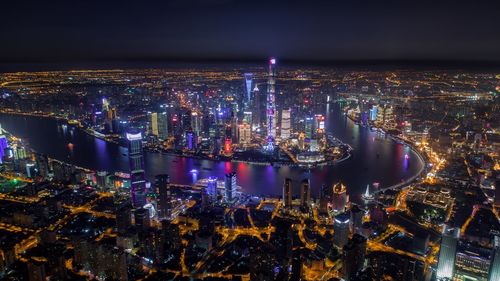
(271, 105)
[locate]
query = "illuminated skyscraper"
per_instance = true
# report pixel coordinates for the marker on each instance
(495, 263)
(230, 186)
(271, 106)
(153, 119)
(212, 188)
(287, 193)
(3, 144)
(248, 86)
(447, 253)
(305, 193)
(244, 134)
(285, 124)
(341, 229)
(257, 108)
(162, 126)
(136, 165)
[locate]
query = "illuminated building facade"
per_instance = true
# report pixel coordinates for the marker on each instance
(136, 166)
(285, 124)
(162, 125)
(153, 119)
(230, 186)
(341, 229)
(244, 134)
(248, 86)
(212, 188)
(271, 106)
(447, 253)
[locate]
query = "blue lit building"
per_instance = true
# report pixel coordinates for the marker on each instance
(248, 86)
(230, 186)
(212, 188)
(373, 113)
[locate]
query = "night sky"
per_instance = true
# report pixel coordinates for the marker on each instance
(248, 30)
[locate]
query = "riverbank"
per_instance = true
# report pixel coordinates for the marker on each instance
(45, 135)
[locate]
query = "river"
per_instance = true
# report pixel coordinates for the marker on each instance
(376, 158)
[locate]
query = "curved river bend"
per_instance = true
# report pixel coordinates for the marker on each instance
(375, 158)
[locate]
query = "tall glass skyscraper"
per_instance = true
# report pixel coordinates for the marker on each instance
(495, 263)
(271, 106)
(447, 253)
(248, 86)
(136, 166)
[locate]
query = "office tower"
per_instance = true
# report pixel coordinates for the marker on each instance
(136, 165)
(123, 218)
(447, 252)
(339, 198)
(287, 193)
(162, 183)
(244, 134)
(309, 127)
(212, 188)
(248, 86)
(162, 126)
(271, 106)
(153, 120)
(495, 263)
(101, 179)
(142, 218)
(230, 186)
(257, 108)
(196, 121)
(341, 225)
(305, 193)
(353, 256)
(285, 124)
